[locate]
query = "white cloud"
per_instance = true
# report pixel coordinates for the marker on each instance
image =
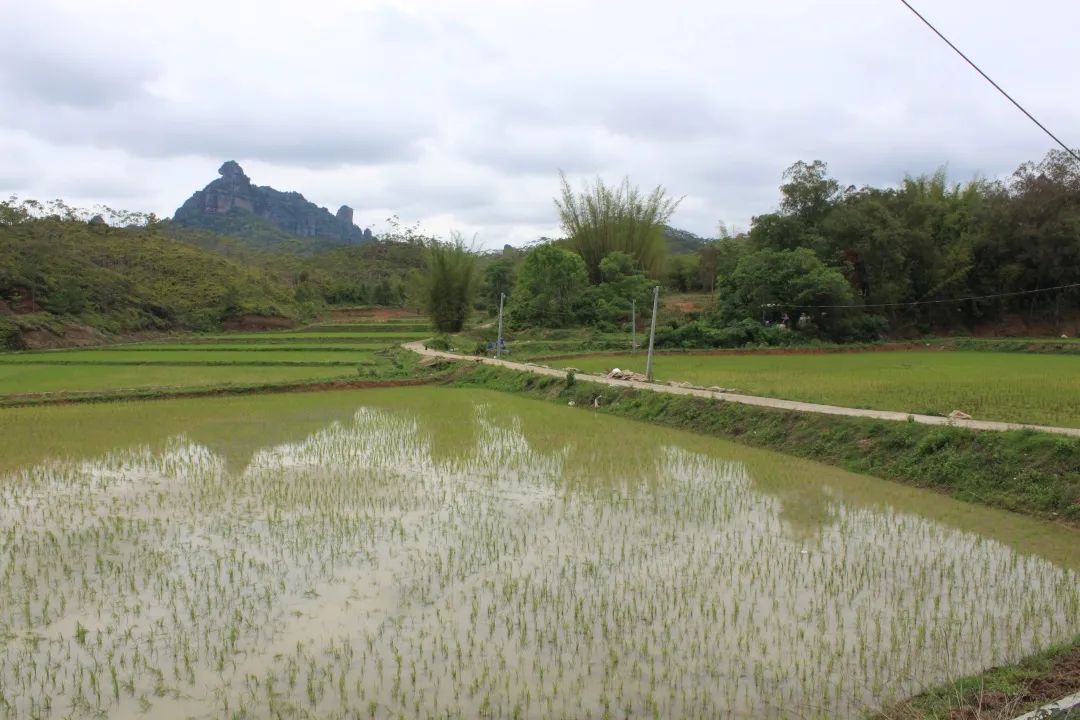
(459, 114)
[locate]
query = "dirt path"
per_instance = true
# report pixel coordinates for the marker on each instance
(418, 347)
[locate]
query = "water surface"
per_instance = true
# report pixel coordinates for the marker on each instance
(435, 552)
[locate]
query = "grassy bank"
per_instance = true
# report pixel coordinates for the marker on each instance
(1022, 471)
(1001, 693)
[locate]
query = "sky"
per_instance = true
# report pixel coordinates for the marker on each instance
(459, 114)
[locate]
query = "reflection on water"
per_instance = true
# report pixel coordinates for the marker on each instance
(441, 553)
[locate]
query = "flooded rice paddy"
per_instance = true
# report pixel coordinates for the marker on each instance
(454, 553)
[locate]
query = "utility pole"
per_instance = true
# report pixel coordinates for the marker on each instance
(633, 326)
(652, 331)
(499, 342)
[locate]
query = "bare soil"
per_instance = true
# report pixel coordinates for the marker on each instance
(258, 322)
(1063, 678)
(367, 313)
(74, 336)
(25, 303)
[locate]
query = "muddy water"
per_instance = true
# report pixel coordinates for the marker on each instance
(451, 553)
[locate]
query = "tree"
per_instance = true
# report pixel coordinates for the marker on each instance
(808, 192)
(549, 284)
(384, 293)
(448, 286)
(684, 272)
(774, 283)
(498, 279)
(609, 303)
(603, 219)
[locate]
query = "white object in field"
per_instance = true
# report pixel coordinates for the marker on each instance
(1065, 703)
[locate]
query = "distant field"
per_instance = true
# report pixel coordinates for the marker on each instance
(28, 378)
(312, 336)
(166, 356)
(247, 346)
(224, 359)
(421, 328)
(1013, 387)
(376, 340)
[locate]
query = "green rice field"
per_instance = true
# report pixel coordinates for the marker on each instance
(387, 336)
(248, 346)
(167, 355)
(217, 361)
(423, 552)
(25, 378)
(1016, 387)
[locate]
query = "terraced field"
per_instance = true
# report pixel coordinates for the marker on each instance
(226, 360)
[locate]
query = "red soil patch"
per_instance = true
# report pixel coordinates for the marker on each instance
(74, 336)
(369, 313)
(23, 302)
(258, 322)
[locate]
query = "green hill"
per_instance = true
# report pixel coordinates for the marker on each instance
(682, 242)
(60, 275)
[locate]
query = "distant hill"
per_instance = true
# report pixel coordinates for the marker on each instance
(64, 280)
(682, 242)
(267, 218)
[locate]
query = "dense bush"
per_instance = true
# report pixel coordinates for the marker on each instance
(698, 334)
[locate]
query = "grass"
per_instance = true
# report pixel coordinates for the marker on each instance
(1001, 693)
(1043, 389)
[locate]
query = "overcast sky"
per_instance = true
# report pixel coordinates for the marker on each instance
(460, 114)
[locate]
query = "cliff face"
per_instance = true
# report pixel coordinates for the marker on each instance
(222, 205)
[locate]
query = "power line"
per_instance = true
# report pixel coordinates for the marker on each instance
(996, 86)
(927, 302)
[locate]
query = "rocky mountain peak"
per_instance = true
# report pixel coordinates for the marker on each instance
(231, 169)
(223, 203)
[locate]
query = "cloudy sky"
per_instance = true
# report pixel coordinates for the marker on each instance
(459, 114)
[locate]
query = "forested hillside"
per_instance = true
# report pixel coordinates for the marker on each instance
(60, 274)
(376, 272)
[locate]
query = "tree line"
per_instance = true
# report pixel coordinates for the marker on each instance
(832, 261)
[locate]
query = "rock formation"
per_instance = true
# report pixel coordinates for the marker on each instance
(225, 204)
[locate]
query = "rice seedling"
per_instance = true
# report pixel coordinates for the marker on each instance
(433, 553)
